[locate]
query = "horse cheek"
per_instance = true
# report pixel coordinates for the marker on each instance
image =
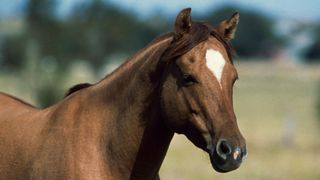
(173, 106)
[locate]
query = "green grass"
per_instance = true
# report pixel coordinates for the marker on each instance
(268, 97)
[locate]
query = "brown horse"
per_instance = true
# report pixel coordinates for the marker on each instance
(121, 127)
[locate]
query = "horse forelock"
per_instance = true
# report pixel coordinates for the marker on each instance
(198, 33)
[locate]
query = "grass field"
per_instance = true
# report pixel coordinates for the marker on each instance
(275, 106)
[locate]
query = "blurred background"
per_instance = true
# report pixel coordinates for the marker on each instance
(46, 46)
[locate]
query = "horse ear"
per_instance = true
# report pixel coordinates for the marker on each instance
(228, 27)
(183, 22)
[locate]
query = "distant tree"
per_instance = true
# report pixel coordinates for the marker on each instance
(49, 32)
(41, 27)
(104, 30)
(12, 51)
(40, 15)
(312, 53)
(48, 94)
(255, 36)
(318, 103)
(95, 31)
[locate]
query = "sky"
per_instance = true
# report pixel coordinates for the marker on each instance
(307, 10)
(295, 9)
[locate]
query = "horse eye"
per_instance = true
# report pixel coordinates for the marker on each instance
(188, 79)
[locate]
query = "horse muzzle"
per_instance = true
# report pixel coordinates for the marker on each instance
(225, 157)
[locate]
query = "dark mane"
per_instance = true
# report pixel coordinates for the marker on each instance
(198, 33)
(77, 88)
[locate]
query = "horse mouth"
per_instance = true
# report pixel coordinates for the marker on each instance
(220, 163)
(222, 166)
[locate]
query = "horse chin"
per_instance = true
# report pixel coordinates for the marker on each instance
(218, 165)
(199, 141)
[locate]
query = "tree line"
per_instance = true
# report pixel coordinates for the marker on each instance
(96, 30)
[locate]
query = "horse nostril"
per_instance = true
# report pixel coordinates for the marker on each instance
(223, 149)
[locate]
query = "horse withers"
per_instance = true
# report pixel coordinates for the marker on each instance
(121, 127)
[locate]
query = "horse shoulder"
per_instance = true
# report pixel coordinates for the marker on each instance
(20, 132)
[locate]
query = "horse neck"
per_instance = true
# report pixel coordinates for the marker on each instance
(152, 149)
(140, 140)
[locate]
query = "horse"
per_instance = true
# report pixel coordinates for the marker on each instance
(121, 126)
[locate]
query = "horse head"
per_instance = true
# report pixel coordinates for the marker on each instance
(197, 89)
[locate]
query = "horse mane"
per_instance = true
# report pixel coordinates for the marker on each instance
(76, 88)
(198, 33)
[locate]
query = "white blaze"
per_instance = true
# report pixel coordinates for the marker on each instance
(215, 63)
